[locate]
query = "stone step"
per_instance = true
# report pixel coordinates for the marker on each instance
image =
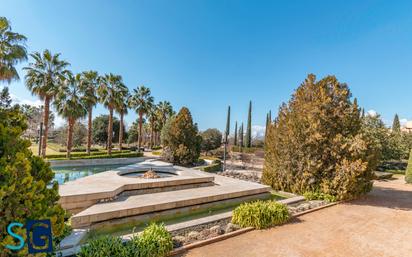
(225, 188)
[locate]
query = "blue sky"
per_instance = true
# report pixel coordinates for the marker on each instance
(209, 54)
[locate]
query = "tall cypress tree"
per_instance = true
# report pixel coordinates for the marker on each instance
(241, 135)
(248, 139)
(267, 123)
(235, 139)
(396, 125)
(227, 132)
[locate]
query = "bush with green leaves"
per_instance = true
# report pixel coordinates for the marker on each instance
(260, 214)
(211, 139)
(214, 167)
(319, 196)
(26, 191)
(154, 241)
(105, 246)
(317, 144)
(408, 173)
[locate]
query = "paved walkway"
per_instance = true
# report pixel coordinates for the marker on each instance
(380, 224)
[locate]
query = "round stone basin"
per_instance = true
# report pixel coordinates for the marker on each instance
(140, 174)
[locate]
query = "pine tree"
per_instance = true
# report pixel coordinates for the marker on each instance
(396, 125)
(241, 136)
(183, 140)
(322, 152)
(248, 139)
(227, 131)
(235, 139)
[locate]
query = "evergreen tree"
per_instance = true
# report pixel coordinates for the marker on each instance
(396, 125)
(182, 139)
(248, 139)
(267, 123)
(26, 191)
(325, 151)
(227, 131)
(241, 136)
(235, 139)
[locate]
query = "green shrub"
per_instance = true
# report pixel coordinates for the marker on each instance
(260, 214)
(24, 182)
(78, 149)
(105, 246)
(319, 196)
(156, 147)
(51, 156)
(100, 156)
(408, 173)
(154, 241)
(214, 167)
(157, 152)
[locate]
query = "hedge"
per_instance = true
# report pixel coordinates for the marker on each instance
(51, 156)
(102, 156)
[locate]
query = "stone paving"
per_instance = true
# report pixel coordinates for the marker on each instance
(379, 224)
(84, 196)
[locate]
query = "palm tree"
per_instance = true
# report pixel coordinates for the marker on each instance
(165, 109)
(12, 51)
(141, 101)
(164, 112)
(110, 90)
(89, 88)
(121, 109)
(70, 104)
(43, 79)
(152, 117)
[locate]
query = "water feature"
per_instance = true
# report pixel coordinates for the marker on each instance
(65, 174)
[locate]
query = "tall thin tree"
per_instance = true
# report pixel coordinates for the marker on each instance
(43, 79)
(248, 139)
(241, 136)
(227, 132)
(110, 89)
(89, 89)
(141, 101)
(122, 110)
(235, 138)
(396, 125)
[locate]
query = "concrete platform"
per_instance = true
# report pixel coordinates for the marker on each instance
(110, 197)
(77, 195)
(225, 188)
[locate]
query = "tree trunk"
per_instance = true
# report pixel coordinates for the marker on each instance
(110, 132)
(151, 135)
(46, 125)
(89, 130)
(69, 137)
(121, 131)
(140, 130)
